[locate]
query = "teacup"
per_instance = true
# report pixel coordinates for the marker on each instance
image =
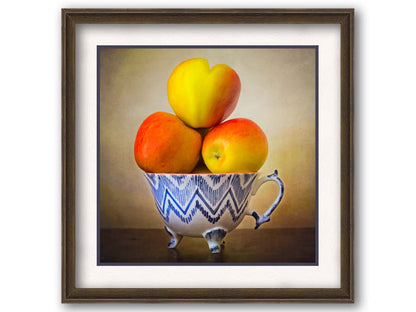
(207, 205)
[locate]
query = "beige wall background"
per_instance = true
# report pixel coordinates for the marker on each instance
(277, 92)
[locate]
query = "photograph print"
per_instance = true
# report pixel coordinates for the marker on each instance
(207, 155)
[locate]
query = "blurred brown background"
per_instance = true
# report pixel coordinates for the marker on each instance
(277, 92)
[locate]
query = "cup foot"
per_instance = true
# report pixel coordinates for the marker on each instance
(174, 238)
(215, 239)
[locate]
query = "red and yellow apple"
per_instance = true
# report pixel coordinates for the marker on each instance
(164, 144)
(236, 145)
(202, 96)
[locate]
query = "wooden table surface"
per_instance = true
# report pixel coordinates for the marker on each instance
(245, 246)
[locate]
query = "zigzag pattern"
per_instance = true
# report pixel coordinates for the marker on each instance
(195, 193)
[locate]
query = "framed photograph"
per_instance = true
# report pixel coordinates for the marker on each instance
(172, 123)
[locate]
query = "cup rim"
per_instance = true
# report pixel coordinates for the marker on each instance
(199, 174)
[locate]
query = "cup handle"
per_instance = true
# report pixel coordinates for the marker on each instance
(266, 216)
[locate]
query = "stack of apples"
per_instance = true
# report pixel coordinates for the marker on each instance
(197, 139)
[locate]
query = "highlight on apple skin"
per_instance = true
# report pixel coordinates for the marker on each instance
(236, 145)
(164, 144)
(202, 96)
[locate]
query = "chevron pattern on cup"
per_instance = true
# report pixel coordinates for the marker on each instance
(211, 194)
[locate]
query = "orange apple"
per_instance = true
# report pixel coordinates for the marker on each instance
(237, 145)
(201, 96)
(164, 144)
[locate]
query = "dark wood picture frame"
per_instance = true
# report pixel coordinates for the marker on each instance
(72, 17)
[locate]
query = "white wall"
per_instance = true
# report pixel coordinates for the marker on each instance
(30, 67)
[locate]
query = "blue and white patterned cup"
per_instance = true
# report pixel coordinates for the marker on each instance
(207, 205)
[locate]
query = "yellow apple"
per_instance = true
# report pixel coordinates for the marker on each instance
(164, 144)
(237, 145)
(202, 96)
